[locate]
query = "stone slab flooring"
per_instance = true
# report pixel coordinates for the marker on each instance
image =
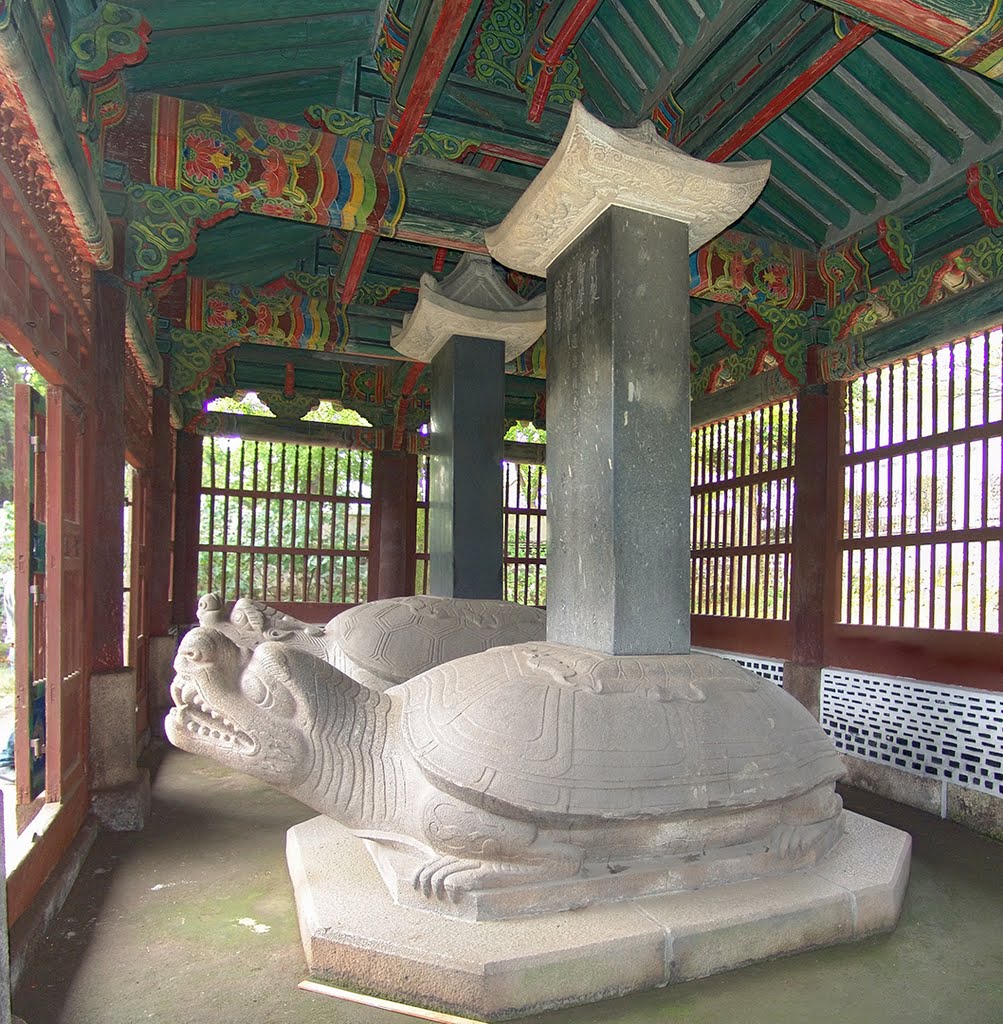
(192, 922)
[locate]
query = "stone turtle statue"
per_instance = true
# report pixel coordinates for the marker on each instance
(528, 764)
(382, 643)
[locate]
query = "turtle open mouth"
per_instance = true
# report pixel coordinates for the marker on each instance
(199, 720)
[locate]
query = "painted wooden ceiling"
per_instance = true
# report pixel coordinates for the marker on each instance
(872, 113)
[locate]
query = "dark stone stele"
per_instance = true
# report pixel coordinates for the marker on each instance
(465, 481)
(618, 458)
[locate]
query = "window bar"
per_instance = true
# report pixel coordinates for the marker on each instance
(240, 523)
(745, 532)
(344, 526)
(224, 555)
(295, 522)
(358, 534)
(967, 493)
(322, 557)
(266, 592)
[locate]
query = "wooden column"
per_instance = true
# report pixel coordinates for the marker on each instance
(159, 509)
(106, 467)
(813, 569)
(187, 487)
(393, 525)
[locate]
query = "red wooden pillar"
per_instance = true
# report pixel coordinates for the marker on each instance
(813, 570)
(159, 511)
(187, 487)
(393, 525)
(107, 471)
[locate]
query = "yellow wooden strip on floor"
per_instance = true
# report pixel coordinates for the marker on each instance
(385, 1004)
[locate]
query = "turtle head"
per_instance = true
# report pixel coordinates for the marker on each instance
(211, 610)
(253, 713)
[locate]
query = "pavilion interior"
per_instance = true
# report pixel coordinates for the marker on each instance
(214, 218)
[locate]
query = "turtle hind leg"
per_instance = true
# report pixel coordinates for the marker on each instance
(448, 877)
(481, 850)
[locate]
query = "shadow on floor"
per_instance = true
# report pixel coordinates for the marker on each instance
(192, 922)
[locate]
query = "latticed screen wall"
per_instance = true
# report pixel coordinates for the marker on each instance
(525, 517)
(742, 511)
(524, 493)
(421, 532)
(284, 522)
(920, 541)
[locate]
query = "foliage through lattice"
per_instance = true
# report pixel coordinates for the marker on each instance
(284, 522)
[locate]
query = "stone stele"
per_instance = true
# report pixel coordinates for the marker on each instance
(382, 643)
(595, 167)
(473, 302)
(509, 788)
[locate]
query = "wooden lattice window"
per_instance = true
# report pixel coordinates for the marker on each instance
(525, 521)
(921, 542)
(421, 531)
(285, 522)
(742, 510)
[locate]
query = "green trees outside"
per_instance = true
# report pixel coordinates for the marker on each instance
(742, 511)
(285, 522)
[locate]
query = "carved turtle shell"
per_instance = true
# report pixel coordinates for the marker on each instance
(559, 732)
(383, 643)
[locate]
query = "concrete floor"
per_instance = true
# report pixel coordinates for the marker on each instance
(192, 922)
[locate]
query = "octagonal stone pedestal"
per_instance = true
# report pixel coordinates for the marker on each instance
(355, 936)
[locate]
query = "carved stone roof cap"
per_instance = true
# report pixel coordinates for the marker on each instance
(596, 167)
(473, 302)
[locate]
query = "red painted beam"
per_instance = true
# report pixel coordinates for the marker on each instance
(793, 92)
(410, 383)
(451, 20)
(554, 56)
(518, 156)
(357, 268)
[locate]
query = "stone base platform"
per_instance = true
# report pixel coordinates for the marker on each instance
(356, 937)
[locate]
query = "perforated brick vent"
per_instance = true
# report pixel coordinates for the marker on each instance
(938, 731)
(768, 668)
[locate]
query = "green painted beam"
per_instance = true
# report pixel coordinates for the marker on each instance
(280, 98)
(798, 213)
(475, 103)
(975, 310)
(630, 49)
(818, 162)
(600, 95)
(856, 156)
(465, 195)
(881, 131)
(797, 182)
(181, 14)
(627, 89)
(772, 71)
(885, 86)
(196, 70)
(438, 31)
(683, 18)
(768, 21)
(948, 83)
(247, 249)
(760, 221)
(243, 41)
(711, 7)
(645, 15)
